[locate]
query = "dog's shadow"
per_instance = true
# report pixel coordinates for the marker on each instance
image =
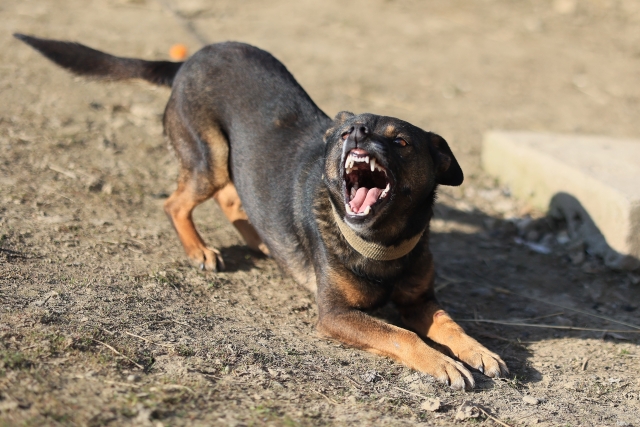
(240, 258)
(487, 279)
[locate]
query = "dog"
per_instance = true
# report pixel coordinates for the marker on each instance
(342, 205)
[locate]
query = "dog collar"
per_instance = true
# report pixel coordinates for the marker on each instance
(372, 250)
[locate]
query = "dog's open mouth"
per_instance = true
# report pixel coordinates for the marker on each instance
(366, 183)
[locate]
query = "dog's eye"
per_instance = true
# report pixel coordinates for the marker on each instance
(401, 142)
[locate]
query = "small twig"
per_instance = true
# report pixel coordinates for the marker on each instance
(80, 377)
(180, 323)
(139, 242)
(496, 337)
(534, 325)
(357, 384)
(586, 313)
(65, 197)
(29, 348)
(333, 402)
(560, 313)
(410, 392)
(118, 353)
(584, 364)
(63, 172)
(148, 340)
(178, 387)
(503, 290)
(492, 417)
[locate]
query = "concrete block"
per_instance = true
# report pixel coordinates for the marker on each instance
(600, 174)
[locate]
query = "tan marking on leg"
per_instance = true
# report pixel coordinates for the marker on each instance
(229, 201)
(360, 330)
(179, 208)
(436, 324)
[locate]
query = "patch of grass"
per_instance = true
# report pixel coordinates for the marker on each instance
(15, 360)
(185, 351)
(57, 343)
(128, 412)
(59, 417)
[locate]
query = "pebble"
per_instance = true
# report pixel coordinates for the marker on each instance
(530, 400)
(467, 410)
(369, 376)
(430, 405)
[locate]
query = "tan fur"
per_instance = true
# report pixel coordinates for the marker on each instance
(390, 131)
(229, 201)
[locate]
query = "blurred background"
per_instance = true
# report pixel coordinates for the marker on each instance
(452, 66)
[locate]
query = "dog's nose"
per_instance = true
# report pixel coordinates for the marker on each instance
(359, 132)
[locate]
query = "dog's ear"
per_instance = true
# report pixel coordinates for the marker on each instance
(338, 120)
(448, 171)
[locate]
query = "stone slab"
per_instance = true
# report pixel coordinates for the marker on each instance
(601, 173)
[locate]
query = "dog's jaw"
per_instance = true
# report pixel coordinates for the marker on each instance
(367, 184)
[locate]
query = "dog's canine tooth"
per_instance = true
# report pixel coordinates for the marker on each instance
(373, 164)
(366, 159)
(384, 193)
(348, 208)
(367, 210)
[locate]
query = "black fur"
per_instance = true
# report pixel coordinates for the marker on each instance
(84, 61)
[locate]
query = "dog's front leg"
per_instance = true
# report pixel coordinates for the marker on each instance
(340, 321)
(422, 313)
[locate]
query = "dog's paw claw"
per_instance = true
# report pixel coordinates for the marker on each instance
(207, 259)
(455, 375)
(488, 363)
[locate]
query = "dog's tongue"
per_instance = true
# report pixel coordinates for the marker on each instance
(364, 197)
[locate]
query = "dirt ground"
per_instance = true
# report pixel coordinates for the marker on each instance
(102, 320)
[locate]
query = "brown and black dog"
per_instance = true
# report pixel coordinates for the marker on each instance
(343, 205)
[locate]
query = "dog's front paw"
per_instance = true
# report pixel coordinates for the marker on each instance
(449, 371)
(485, 361)
(207, 259)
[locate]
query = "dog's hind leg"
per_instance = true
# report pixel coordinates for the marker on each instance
(230, 203)
(203, 154)
(179, 208)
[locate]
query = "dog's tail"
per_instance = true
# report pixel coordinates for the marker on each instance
(84, 61)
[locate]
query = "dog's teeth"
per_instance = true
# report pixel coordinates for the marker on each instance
(373, 164)
(348, 208)
(366, 211)
(366, 159)
(384, 193)
(348, 170)
(353, 193)
(355, 187)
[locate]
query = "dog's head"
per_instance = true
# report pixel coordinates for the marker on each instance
(382, 172)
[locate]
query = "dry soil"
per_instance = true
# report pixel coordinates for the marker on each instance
(103, 322)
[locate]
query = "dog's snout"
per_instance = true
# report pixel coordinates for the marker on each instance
(358, 133)
(361, 132)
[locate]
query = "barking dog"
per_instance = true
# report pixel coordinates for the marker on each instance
(342, 205)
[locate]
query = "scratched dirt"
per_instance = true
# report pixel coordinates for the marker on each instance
(103, 322)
